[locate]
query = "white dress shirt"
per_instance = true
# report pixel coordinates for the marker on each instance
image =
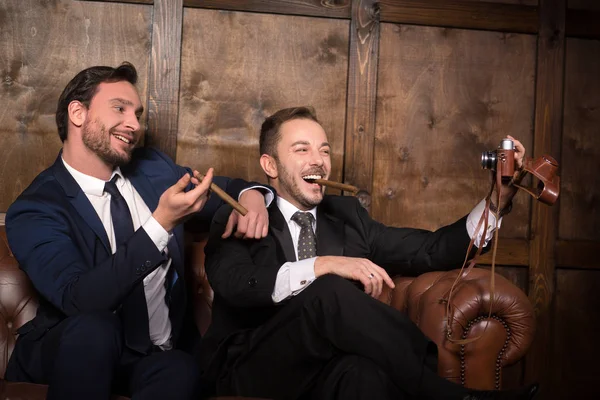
(294, 277)
(154, 282)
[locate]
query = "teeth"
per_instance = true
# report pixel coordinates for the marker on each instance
(122, 138)
(311, 177)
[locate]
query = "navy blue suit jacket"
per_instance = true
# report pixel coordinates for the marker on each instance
(61, 244)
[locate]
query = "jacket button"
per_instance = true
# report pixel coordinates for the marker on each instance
(252, 282)
(148, 264)
(143, 268)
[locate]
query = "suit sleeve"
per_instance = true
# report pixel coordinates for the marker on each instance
(410, 251)
(241, 272)
(56, 259)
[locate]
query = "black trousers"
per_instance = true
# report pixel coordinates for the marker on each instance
(333, 341)
(83, 357)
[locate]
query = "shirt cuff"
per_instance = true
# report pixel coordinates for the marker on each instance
(293, 278)
(157, 233)
(473, 220)
(268, 193)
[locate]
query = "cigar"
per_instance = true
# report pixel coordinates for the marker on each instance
(335, 185)
(226, 198)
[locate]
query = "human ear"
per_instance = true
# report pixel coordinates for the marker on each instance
(269, 166)
(77, 112)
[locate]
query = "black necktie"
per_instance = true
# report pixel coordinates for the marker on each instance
(134, 312)
(307, 242)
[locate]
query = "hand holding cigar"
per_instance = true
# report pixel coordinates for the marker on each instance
(223, 195)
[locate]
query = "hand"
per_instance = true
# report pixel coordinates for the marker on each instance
(175, 204)
(369, 274)
(508, 190)
(255, 224)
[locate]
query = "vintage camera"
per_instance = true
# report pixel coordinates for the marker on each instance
(501, 160)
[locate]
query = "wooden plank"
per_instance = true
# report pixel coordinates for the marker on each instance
(36, 63)
(444, 92)
(163, 82)
(247, 66)
(314, 8)
(575, 334)
(580, 183)
(583, 23)
(123, 1)
(577, 254)
(510, 252)
(544, 220)
(461, 14)
(362, 96)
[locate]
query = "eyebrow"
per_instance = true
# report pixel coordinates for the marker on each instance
(140, 109)
(306, 142)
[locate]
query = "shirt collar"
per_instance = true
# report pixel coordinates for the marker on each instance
(89, 184)
(288, 209)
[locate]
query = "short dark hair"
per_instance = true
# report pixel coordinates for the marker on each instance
(84, 86)
(269, 132)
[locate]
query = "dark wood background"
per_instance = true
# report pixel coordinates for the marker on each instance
(410, 92)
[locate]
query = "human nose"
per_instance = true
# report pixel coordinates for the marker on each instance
(317, 159)
(132, 123)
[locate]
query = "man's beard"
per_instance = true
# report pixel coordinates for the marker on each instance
(97, 139)
(288, 183)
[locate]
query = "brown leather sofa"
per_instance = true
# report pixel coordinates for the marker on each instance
(477, 365)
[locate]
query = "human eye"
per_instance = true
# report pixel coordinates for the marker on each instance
(120, 108)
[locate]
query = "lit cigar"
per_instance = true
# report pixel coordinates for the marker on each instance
(335, 185)
(226, 198)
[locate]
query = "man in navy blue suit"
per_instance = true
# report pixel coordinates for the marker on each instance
(100, 235)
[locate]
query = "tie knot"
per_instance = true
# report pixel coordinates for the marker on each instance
(111, 187)
(304, 219)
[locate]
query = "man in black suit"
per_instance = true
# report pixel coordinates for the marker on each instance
(100, 235)
(288, 319)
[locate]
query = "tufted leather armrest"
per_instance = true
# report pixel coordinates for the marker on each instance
(509, 331)
(17, 301)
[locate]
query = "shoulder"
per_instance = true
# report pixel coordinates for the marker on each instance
(153, 162)
(341, 206)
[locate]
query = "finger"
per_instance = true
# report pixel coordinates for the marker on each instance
(230, 225)
(386, 278)
(251, 226)
(377, 282)
(242, 226)
(203, 187)
(367, 281)
(182, 183)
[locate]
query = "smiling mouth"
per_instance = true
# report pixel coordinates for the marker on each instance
(122, 138)
(311, 178)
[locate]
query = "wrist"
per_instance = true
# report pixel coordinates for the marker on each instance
(503, 211)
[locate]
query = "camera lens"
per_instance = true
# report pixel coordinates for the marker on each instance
(488, 160)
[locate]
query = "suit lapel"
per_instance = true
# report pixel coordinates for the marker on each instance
(330, 234)
(280, 230)
(79, 201)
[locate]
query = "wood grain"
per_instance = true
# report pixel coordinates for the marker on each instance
(575, 336)
(42, 47)
(238, 68)
(163, 82)
(544, 219)
(314, 8)
(443, 97)
(462, 14)
(362, 88)
(580, 181)
(578, 254)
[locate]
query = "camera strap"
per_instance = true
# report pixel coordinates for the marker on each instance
(468, 265)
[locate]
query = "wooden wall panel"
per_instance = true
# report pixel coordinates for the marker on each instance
(42, 46)
(575, 339)
(580, 181)
(584, 4)
(519, 2)
(444, 96)
(238, 68)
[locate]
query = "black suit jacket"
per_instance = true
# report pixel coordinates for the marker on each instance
(242, 273)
